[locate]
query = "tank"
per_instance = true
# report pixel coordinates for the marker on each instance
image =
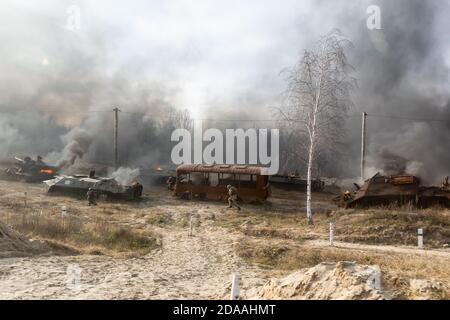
(107, 188)
(395, 190)
(29, 170)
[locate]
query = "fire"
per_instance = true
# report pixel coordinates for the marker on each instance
(47, 171)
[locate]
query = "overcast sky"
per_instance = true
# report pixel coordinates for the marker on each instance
(209, 52)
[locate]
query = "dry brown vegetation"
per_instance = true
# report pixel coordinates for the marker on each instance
(397, 268)
(381, 226)
(372, 226)
(82, 230)
(162, 219)
(96, 237)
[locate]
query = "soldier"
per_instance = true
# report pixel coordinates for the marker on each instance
(445, 183)
(347, 195)
(91, 197)
(232, 197)
(171, 181)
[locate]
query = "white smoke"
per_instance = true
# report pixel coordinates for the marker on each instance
(125, 176)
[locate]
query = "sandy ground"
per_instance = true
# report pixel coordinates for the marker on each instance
(197, 267)
(186, 267)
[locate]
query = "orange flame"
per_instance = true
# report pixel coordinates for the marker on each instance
(47, 171)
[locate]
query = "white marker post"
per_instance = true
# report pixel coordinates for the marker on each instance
(331, 234)
(63, 211)
(235, 287)
(420, 238)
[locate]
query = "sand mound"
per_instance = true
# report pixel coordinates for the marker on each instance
(13, 244)
(421, 289)
(332, 281)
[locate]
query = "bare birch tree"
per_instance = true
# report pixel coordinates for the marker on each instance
(318, 99)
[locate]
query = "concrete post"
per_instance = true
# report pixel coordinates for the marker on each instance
(331, 234)
(235, 287)
(420, 238)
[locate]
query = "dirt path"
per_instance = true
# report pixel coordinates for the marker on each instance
(381, 248)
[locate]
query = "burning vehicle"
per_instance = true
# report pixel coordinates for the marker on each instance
(30, 170)
(105, 188)
(395, 190)
(156, 175)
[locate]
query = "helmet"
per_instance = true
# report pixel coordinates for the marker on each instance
(229, 186)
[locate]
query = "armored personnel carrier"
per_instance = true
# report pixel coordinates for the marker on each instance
(107, 188)
(29, 170)
(394, 190)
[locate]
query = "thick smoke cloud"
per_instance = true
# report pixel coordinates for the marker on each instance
(403, 72)
(219, 60)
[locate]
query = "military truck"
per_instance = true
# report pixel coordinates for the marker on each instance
(29, 170)
(105, 188)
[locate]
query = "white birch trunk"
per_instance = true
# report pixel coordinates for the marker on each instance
(308, 187)
(312, 141)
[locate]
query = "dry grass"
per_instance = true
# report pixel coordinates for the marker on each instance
(97, 236)
(160, 219)
(382, 226)
(373, 226)
(164, 219)
(397, 268)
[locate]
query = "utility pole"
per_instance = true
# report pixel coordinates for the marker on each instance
(116, 138)
(363, 144)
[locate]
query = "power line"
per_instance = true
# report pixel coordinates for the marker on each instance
(249, 120)
(408, 118)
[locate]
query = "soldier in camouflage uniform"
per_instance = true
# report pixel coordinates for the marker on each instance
(445, 183)
(171, 182)
(91, 197)
(232, 197)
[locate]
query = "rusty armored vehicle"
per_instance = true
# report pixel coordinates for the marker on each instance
(106, 188)
(29, 170)
(210, 182)
(395, 190)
